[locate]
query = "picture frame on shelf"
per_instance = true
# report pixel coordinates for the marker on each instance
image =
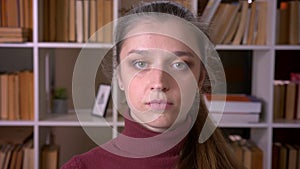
(101, 101)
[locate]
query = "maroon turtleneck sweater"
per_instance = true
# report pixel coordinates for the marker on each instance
(100, 158)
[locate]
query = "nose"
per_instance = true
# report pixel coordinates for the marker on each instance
(159, 80)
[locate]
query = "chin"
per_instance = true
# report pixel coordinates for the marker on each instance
(160, 125)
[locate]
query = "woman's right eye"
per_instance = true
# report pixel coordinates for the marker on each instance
(139, 64)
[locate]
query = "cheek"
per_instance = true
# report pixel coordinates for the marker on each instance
(134, 92)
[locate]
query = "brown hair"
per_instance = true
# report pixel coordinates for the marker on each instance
(214, 153)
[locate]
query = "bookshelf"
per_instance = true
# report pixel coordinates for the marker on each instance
(74, 139)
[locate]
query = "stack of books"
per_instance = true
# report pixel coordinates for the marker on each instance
(8, 34)
(234, 108)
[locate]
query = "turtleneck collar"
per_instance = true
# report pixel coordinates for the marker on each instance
(136, 141)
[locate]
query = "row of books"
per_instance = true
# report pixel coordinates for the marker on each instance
(285, 156)
(247, 152)
(16, 96)
(16, 148)
(286, 100)
(77, 20)
(238, 22)
(288, 24)
(234, 108)
(16, 14)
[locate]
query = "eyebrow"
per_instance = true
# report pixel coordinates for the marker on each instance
(146, 52)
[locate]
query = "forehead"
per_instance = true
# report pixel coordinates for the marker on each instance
(175, 32)
(153, 41)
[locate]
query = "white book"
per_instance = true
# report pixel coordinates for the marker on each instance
(86, 20)
(235, 117)
(79, 20)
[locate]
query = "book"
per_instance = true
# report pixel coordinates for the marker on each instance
(232, 31)
(86, 20)
(79, 21)
(261, 37)
(283, 157)
(26, 95)
(12, 39)
(8, 152)
(245, 36)
(72, 21)
(295, 77)
(52, 20)
(108, 17)
(17, 31)
(278, 99)
(28, 155)
(19, 158)
(62, 17)
(233, 103)
(236, 117)
(46, 20)
(298, 25)
(242, 25)
(14, 155)
(252, 24)
(283, 23)
(247, 157)
(290, 100)
(229, 14)
(50, 153)
(4, 96)
(256, 157)
(93, 21)
(210, 10)
(275, 155)
(3, 14)
(11, 99)
(294, 22)
(2, 155)
(217, 20)
(29, 17)
(292, 157)
(12, 13)
(100, 20)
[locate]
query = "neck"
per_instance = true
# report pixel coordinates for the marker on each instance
(147, 126)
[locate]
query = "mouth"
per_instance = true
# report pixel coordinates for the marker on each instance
(159, 104)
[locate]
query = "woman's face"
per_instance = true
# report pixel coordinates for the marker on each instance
(158, 75)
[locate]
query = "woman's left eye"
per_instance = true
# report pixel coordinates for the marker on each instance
(180, 66)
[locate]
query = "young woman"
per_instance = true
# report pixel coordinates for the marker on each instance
(162, 66)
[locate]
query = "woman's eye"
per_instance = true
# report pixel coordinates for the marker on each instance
(180, 66)
(140, 64)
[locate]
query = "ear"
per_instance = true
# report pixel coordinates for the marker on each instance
(201, 78)
(120, 81)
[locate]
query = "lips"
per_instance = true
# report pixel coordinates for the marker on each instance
(159, 104)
